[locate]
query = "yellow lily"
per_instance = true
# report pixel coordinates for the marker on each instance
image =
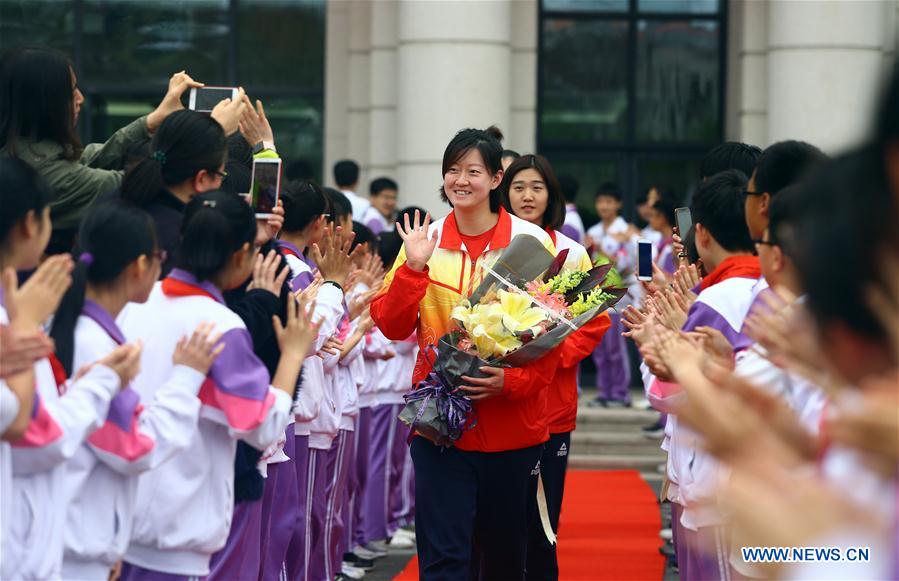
(518, 314)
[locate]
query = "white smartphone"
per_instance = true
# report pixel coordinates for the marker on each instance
(265, 186)
(644, 259)
(684, 219)
(205, 99)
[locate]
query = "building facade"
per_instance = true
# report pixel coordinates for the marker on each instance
(632, 91)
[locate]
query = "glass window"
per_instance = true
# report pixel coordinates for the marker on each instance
(108, 115)
(586, 5)
(281, 44)
(127, 41)
(584, 99)
(676, 174)
(678, 80)
(37, 22)
(298, 123)
(679, 6)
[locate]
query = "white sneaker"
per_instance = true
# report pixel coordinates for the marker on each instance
(367, 551)
(665, 534)
(405, 533)
(401, 542)
(352, 572)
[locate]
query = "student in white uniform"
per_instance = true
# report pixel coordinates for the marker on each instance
(346, 176)
(120, 262)
(184, 506)
(32, 542)
(380, 215)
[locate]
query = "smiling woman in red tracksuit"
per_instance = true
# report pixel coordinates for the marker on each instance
(531, 191)
(472, 499)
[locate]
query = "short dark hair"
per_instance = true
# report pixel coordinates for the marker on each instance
(22, 190)
(609, 189)
(666, 207)
(363, 235)
(346, 173)
(339, 204)
(569, 186)
(488, 143)
(718, 205)
(783, 214)
(410, 211)
(729, 155)
(389, 245)
(36, 100)
(510, 153)
(304, 202)
(378, 185)
(216, 225)
(842, 237)
(554, 216)
(785, 163)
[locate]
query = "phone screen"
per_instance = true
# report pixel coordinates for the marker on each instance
(208, 98)
(644, 260)
(684, 220)
(265, 185)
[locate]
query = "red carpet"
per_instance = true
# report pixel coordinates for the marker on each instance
(609, 529)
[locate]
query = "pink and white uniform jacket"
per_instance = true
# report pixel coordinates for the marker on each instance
(184, 506)
(315, 410)
(102, 476)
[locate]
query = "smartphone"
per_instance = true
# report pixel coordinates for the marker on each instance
(684, 220)
(644, 259)
(205, 99)
(265, 186)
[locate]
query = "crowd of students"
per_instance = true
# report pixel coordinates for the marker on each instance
(189, 391)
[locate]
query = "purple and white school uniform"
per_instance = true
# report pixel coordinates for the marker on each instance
(375, 221)
(401, 505)
(695, 477)
(184, 507)
(9, 409)
(32, 545)
(573, 226)
(102, 476)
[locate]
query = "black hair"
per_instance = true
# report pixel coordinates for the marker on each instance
(487, 142)
(846, 225)
(298, 169)
(785, 163)
(729, 155)
(510, 153)
(216, 225)
(340, 205)
(304, 202)
(666, 207)
(609, 189)
(363, 235)
(784, 212)
(111, 236)
(37, 100)
(718, 206)
(238, 178)
(554, 216)
(185, 143)
(346, 173)
(410, 211)
(569, 186)
(22, 190)
(389, 245)
(378, 185)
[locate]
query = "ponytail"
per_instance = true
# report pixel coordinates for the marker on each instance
(216, 225)
(111, 237)
(186, 143)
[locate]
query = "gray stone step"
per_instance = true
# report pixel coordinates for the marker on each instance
(647, 463)
(615, 443)
(613, 419)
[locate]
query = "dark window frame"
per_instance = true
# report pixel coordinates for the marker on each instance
(631, 149)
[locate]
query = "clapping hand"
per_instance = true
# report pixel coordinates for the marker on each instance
(30, 305)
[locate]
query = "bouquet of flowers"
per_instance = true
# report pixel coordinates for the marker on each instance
(525, 306)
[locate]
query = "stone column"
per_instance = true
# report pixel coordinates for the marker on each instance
(825, 59)
(337, 64)
(358, 88)
(521, 135)
(747, 102)
(382, 137)
(453, 72)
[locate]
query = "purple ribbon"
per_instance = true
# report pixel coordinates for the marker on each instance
(454, 407)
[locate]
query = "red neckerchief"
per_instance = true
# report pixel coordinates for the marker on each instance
(289, 249)
(552, 234)
(59, 373)
(733, 267)
(173, 287)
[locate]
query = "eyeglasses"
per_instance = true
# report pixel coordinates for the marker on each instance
(223, 174)
(759, 241)
(747, 193)
(162, 255)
